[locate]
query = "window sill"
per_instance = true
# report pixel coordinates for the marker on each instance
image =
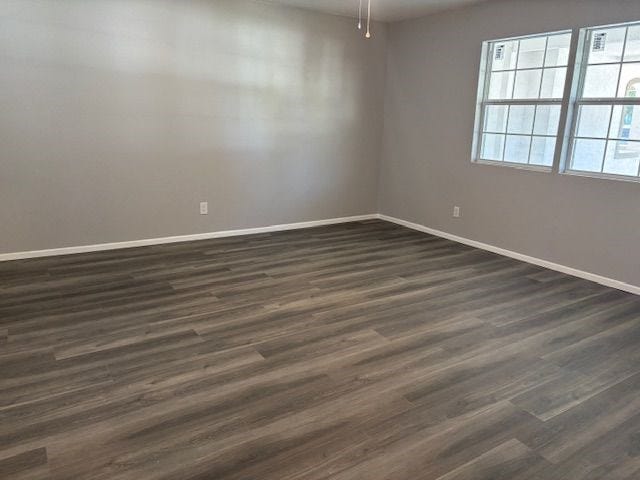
(517, 166)
(601, 176)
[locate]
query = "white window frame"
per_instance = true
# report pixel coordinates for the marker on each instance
(483, 101)
(580, 69)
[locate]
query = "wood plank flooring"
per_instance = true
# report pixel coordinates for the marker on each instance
(355, 351)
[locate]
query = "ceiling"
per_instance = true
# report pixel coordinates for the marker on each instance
(384, 10)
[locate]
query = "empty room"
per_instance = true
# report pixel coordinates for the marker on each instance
(320, 239)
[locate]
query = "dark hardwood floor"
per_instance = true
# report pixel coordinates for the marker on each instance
(357, 351)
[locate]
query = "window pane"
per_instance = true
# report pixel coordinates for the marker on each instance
(630, 80)
(553, 83)
(495, 118)
(623, 158)
(532, 52)
(547, 120)
(632, 53)
(517, 149)
(504, 56)
(492, 147)
(558, 51)
(521, 119)
(593, 121)
(588, 155)
(625, 123)
(601, 81)
(527, 84)
(605, 46)
(501, 85)
(543, 150)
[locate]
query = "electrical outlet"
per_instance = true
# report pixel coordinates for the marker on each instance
(204, 208)
(457, 212)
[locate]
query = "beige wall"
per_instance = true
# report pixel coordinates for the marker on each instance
(432, 79)
(117, 117)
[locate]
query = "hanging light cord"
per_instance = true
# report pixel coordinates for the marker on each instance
(360, 16)
(368, 35)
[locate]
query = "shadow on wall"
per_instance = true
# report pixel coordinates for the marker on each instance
(191, 61)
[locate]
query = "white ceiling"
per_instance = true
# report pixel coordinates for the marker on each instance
(384, 10)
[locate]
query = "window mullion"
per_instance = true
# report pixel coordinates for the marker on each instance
(506, 132)
(606, 145)
(634, 101)
(525, 101)
(533, 129)
(544, 61)
(604, 155)
(624, 51)
(573, 90)
(515, 73)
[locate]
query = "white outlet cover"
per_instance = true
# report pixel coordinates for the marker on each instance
(204, 208)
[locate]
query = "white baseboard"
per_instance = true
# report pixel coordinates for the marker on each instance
(609, 282)
(5, 257)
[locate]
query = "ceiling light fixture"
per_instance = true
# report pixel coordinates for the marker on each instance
(368, 34)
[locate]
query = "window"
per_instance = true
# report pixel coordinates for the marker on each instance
(520, 99)
(605, 138)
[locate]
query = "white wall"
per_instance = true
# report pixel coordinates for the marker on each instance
(118, 117)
